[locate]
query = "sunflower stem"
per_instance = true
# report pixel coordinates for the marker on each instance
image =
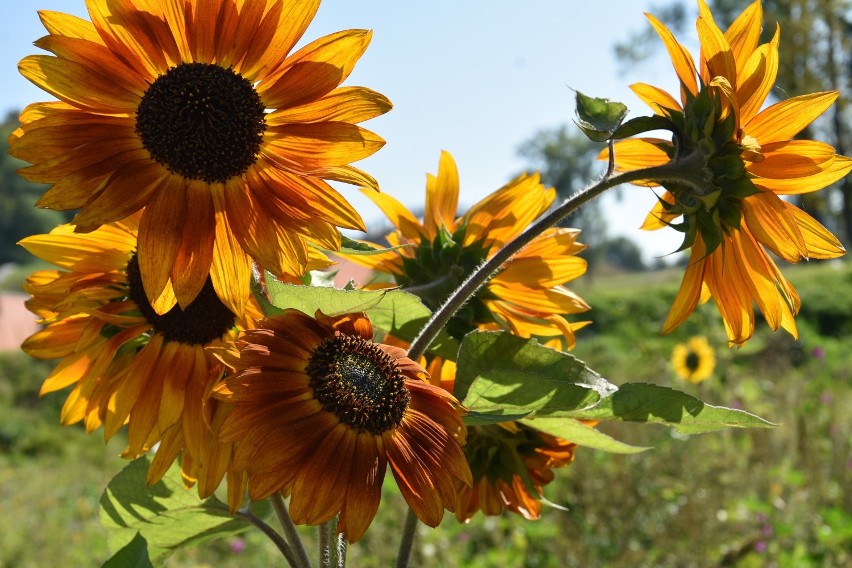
(292, 535)
(276, 538)
(325, 545)
(407, 541)
(682, 170)
(340, 551)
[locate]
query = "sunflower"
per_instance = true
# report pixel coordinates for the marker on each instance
(319, 412)
(527, 296)
(128, 364)
(510, 462)
(694, 360)
(198, 112)
(733, 210)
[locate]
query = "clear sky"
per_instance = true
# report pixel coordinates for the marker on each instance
(474, 77)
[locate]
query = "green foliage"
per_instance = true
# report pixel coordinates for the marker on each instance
(599, 118)
(167, 514)
(133, 555)
(502, 373)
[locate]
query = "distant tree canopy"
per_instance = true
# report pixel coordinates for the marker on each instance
(815, 55)
(18, 217)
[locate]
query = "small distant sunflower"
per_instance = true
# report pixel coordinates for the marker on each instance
(746, 160)
(196, 112)
(527, 296)
(319, 412)
(694, 360)
(127, 364)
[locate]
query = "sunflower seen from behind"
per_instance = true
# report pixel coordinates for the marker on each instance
(694, 360)
(126, 364)
(740, 160)
(200, 113)
(527, 296)
(320, 411)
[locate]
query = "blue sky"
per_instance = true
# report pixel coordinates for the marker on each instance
(474, 77)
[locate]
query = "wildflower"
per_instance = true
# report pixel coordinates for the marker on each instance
(196, 112)
(736, 161)
(319, 412)
(128, 364)
(694, 360)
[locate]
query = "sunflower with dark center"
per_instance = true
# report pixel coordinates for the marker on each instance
(695, 360)
(320, 410)
(126, 363)
(528, 296)
(198, 113)
(743, 160)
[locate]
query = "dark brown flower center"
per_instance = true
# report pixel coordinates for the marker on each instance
(692, 361)
(203, 320)
(359, 383)
(202, 121)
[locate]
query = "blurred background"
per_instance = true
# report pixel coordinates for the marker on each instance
(489, 82)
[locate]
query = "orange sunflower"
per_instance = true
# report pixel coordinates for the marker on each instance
(128, 364)
(319, 412)
(747, 160)
(527, 296)
(198, 112)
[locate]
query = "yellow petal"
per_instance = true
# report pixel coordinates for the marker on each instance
(768, 220)
(715, 53)
(783, 120)
(690, 288)
(345, 104)
(744, 33)
(442, 196)
(793, 159)
(757, 77)
(397, 214)
(655, 97)
(682, 61)
(820, 242)
(836, 170)
(658, 217)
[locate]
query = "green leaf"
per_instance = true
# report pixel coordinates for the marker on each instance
(267, 308)
(598, 118)
(581, 434)
(403, 315)
(641, 402)
(642, 124)
(473, 418)
(166, 514)
(330, 301)
(500, 373)
(133, 555)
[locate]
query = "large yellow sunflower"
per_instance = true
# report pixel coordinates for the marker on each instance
(694, 360)
(319, 412)
(527, 296)
(733, 211)
(127, 364)
(195, 111)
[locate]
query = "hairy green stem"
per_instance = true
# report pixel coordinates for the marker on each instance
(681, 170)
(407, 540)
(276, 538)
(290, 531)
(325, 545)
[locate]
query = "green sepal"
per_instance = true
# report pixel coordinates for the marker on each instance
(598, 118)
(351, 247)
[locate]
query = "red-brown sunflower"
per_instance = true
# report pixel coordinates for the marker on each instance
(319, 412)
(527, 296)
(198, 112)
(742, 160)
(126, 363)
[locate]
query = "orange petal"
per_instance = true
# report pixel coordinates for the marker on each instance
(781, 121)
(681, 60)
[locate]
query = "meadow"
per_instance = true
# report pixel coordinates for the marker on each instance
(746, 498)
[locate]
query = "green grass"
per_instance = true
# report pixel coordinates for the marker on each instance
(736, 498)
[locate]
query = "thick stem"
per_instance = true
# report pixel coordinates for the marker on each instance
(680, 170)
(290, 530)
(406, 542)
(276, 538)
(340, 547)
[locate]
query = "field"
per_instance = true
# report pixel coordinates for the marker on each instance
(776, 497)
